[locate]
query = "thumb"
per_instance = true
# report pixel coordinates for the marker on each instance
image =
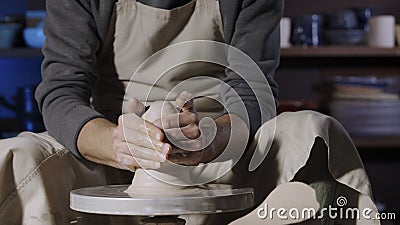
(136, 107)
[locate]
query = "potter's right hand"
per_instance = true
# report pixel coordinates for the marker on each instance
(137, 142)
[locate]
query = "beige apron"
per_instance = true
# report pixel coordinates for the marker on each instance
(138, 31)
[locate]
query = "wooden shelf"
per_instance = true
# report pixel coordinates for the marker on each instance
(21, 52)
(339, 51)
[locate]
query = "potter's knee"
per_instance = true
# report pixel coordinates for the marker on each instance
(323, 120)
(308, 115)
(26, 148)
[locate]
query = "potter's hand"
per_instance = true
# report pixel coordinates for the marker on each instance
(229, 129)
(182, 128)
(138, 143)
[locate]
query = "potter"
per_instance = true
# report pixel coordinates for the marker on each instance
(91, 50)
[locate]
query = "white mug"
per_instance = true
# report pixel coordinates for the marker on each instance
(285, 27)
(381, 31)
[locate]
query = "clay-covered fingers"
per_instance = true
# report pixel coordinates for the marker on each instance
(139, 152)
(180, 126)
(131, 163)
(176, 120)
(131, 156)
(134, 122)
(137, 139)
(184, 101)
(136, 107)
(186, 133)
(138, 143)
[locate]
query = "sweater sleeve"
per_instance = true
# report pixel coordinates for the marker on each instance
(68, 70)
(256, 34)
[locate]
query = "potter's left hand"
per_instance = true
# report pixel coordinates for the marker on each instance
(182, 127)
(213, 141)
(209, 140)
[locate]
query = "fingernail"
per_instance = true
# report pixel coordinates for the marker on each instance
(158, 136)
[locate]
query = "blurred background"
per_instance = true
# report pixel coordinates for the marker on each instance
(342, 58)
(21, 37)
(339, 57)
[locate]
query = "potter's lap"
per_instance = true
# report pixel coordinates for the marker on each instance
(29, 149)
(294, 122)
(304, 117)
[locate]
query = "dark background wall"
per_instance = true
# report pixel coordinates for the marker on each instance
(12, 7)
(16, 71)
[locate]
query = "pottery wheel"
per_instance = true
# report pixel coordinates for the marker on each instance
(207, 199)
